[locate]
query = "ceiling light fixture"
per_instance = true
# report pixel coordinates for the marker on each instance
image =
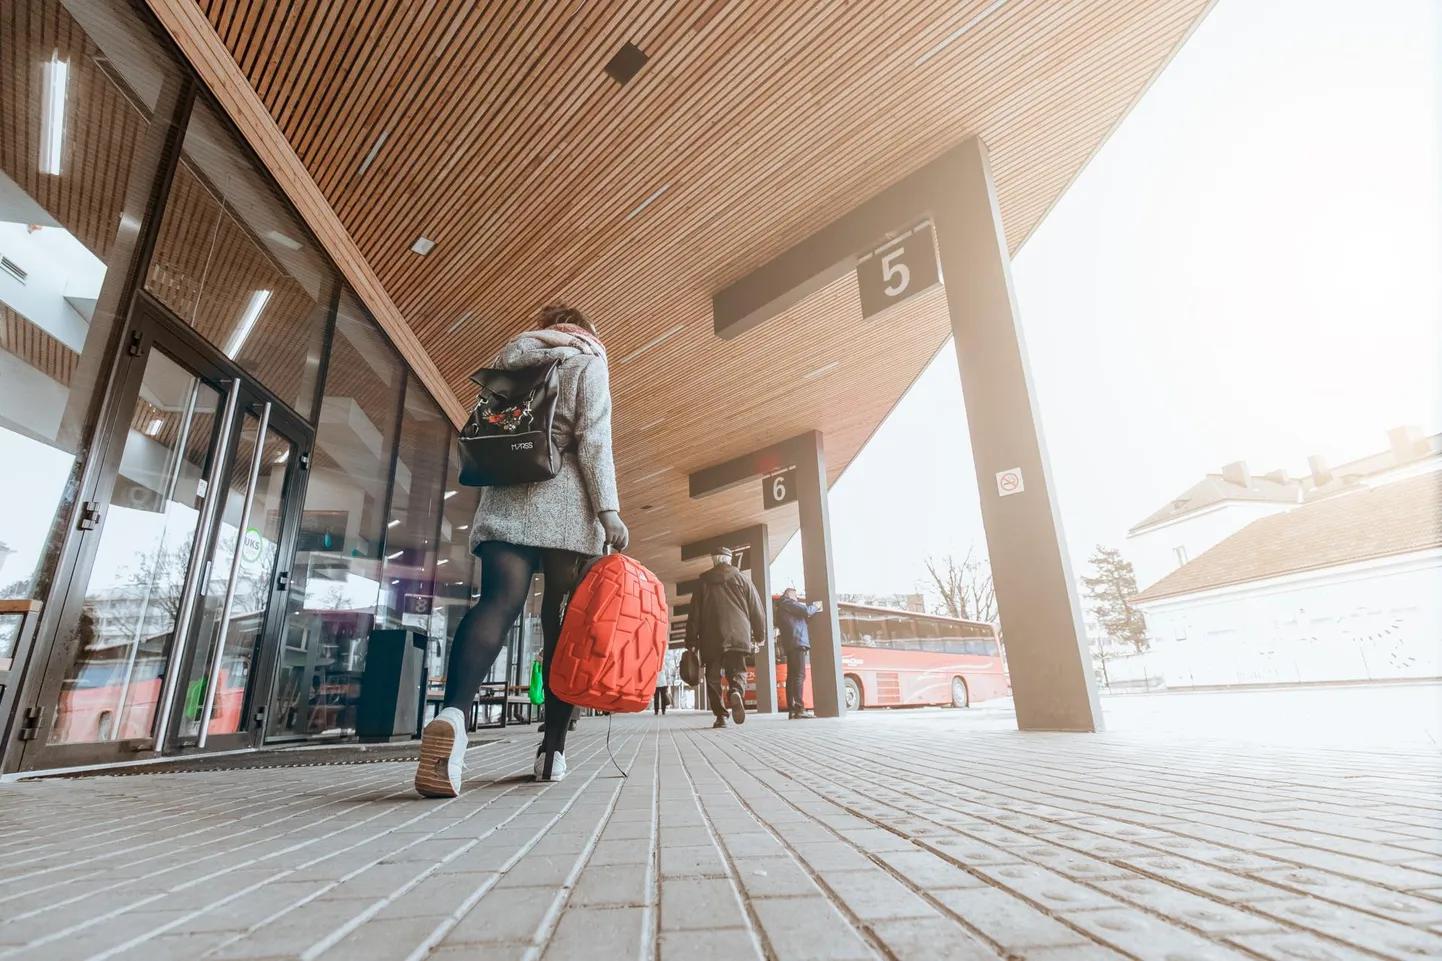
(423, 246)
(650, 476)
(391, 557)
(647, 202)
(153, 428)
(370, 157)
(394, 522)
(958, 33)
(443, 560)
(655, 423)
(284, 456)
(457, 325)
(449, 495)
(289, 243)
(253, 309)
(464, 527)
(822, 370)
(55, 86)
(652, 343)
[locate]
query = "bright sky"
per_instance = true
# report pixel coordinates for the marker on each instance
(1251, 268)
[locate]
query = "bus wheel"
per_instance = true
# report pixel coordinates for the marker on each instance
(960, 696)
(854, 700)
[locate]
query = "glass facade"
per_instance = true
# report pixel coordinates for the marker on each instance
(336, 583)
(79, 120)
(235, 264)
(222, 475)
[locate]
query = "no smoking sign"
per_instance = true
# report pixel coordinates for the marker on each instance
(1009, 482)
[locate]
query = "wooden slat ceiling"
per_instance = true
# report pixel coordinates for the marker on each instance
(754, 123)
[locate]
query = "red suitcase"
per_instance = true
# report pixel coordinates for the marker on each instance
(613, 638)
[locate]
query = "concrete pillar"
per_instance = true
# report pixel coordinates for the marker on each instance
(1036, 595)
(827, 684)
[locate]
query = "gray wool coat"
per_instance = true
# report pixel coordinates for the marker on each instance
(560, 512)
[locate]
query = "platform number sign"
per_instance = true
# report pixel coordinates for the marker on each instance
(778, 489)
(897, 272)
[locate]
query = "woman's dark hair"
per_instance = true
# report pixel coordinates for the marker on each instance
(561, 314)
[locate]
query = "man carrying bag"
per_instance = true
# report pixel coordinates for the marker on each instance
(725, 624)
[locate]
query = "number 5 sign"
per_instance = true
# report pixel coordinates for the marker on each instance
(902, 269)
(778, 489)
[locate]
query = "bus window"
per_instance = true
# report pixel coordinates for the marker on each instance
(930, 636)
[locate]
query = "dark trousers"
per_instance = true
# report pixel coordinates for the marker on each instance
(734, 664)
(795, 679)
(506, 571)
(659, 702)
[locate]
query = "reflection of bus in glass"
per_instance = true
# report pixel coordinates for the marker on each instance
(90, 703)
(893, 658)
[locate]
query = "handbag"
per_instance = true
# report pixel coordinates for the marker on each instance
(508, 438)
(690, 668)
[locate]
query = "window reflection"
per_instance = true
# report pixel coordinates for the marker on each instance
(80, 84)
(233, 263)
(415, 518)
(335, 585)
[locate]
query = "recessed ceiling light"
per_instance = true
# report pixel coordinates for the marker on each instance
(823, 370)
(391, 557)
(55, 87)
(647, 202)
(627, 62)
(656, 474)
(253, 309)
(958, 33)
(461, 320)
(423, 246)
(289, 243)
(450, 494)
(370, 157)
(652, 343)
(394, 522)
(153, 428)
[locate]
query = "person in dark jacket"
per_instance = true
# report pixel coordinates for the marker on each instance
(791, 615)
(725, 624)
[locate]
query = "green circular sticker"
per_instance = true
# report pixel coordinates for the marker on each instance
(251, 546)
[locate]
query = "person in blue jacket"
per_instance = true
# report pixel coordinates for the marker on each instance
(791, 615)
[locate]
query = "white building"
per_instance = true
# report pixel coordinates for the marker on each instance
(1347, 586)
(1220, 505)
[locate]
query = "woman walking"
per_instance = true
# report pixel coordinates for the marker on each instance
(552, 526)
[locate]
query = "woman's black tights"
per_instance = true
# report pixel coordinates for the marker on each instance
(506, 571)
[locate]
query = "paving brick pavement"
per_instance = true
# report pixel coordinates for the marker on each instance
(900, 836)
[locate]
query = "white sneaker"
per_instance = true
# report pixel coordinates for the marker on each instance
(443, 755)
(558, 766)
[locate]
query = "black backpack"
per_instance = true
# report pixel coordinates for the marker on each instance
(508, 438)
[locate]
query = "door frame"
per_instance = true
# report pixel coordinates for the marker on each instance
(150, 323)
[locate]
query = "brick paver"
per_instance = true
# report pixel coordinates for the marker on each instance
(898, 836)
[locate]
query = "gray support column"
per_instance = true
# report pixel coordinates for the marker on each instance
(826, 679)
(1036, 595)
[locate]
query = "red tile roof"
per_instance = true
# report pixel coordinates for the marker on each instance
(1396, 518)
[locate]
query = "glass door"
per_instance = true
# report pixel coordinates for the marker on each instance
(179, 567)
(240, 581)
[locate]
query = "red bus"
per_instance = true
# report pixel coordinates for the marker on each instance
(893, 658)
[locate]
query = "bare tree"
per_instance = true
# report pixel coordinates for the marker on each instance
(965, 587)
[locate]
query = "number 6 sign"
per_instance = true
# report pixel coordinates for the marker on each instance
(898, 271)
(778, 489)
